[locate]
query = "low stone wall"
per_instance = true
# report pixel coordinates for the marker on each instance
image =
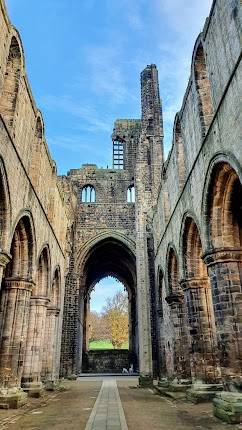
(106, 361)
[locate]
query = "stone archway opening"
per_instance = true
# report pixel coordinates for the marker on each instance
(108, 258)
(109, 316)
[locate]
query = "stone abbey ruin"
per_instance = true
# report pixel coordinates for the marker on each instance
(169, 230)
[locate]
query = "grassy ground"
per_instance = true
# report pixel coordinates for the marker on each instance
(105, 344)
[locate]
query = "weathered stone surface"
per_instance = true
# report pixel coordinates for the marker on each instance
(176, 246)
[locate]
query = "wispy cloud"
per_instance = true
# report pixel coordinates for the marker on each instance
(184, 19)
(106, 77)
(69, 105)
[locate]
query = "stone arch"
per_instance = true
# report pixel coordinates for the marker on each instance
(22, 249)
(179, 150)
(51, 347)
(172, 270)
(222, 211)
(14, 67)
(34, 353)
(192, 250)
(15, 297)
(222, 194)
(55, 293)
(36, 150)
(43, 272)
(177, 361)
(107, 254)
(106, 234)
(5, 208)
(199, 305)
(202, 84)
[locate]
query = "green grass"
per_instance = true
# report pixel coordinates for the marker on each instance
(105, 344)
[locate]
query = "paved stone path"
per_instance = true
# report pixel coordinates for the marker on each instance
(107, 413)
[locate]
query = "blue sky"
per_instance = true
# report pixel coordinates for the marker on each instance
(107, 287)
(84, 58)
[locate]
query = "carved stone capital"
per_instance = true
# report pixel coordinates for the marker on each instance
(222, 255)
(4, 258)
(194, 283)
(18, 284)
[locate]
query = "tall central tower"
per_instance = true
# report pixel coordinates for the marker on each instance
(149, 163)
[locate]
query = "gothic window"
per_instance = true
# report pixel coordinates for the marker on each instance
(88, 194)
(131, 194)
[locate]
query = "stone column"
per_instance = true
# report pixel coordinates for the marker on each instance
(143, 299)
(198, 298)
(15, 313)
(181, 346)
(34, 348)
(225, 272)
(49, 372)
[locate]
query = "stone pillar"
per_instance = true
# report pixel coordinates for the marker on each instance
(86, 324)
(198, 298)
(143, 299)
(181, 346)
(15, 313)
(34, 348)
(224, 268)
(49, 364)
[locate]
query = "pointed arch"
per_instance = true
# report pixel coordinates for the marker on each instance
(5, 207)
(172, 270)
(192, 251)
(223, 196)
(179, 150)
(43, 273)
(202, 83)
(9, 94)
(35, 159)
(22, 249)
(55, 292)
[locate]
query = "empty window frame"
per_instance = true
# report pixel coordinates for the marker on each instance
(131, 194)
(118, 155)
(88, 194)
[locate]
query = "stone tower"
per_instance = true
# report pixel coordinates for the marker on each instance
(111, 234)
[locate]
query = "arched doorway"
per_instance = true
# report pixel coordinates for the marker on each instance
(108, 257)
(223, 216)
(104, 255)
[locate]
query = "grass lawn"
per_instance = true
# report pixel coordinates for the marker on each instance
(105, 344)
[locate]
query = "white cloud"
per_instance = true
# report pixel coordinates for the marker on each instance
(86, 113)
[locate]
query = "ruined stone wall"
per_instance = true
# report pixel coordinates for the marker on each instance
(207, 131)
(109, 215)
(33, 215)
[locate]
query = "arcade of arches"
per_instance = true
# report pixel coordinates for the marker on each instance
(169, 230)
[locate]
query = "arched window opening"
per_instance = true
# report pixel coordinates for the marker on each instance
(173, 275)
(21, 264)
(203, 88)
(11, 82)
(43, 273)
(131, 194)
(192, 251)
(88, 194)
(179, 147)
(224, 212)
